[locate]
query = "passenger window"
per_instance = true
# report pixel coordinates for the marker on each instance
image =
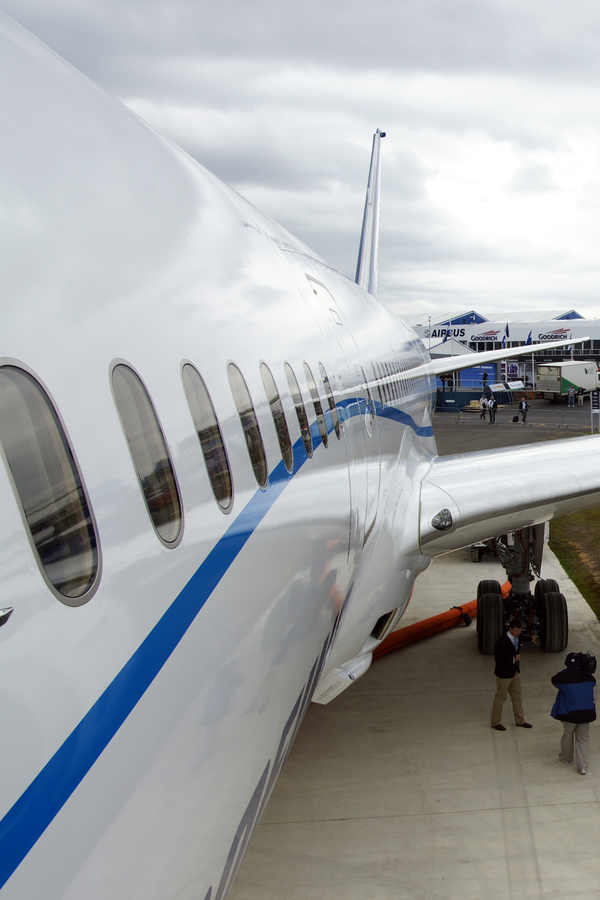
(390, 386)
(396, 382)
(300, 409)
(384, 388)
(254, 443)
(370, 404)
(377, 384)
(283, 435)
(48, 486)
(312, 387)
(209, 435)
(330, 400)
(149, 452)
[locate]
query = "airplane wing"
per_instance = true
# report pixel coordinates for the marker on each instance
(467, 360)
(472, 497)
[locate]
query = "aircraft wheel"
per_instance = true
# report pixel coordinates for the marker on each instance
(554, 633)
(546, 586)
(488, 587)
(476, 554)
(490, 621)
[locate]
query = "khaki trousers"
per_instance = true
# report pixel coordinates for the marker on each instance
(504, 687)
(575, 742)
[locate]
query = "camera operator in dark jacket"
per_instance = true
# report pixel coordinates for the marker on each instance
(507, 654)
(575, 707)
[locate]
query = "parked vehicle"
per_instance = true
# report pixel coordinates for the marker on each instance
(555, 380)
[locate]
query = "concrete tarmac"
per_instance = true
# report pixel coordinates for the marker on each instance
(400, 789)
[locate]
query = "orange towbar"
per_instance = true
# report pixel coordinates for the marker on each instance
(419, 630)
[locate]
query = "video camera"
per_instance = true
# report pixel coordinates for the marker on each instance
(584, 661)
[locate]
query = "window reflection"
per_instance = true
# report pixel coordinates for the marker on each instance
(312, 387)
(249, 423)
(48, 485)
(209, 435)
(283, 435)
(300, 409)
(149, 452)
(330, 400)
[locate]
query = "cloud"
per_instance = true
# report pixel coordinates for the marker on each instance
(422, 35)
(491, 175)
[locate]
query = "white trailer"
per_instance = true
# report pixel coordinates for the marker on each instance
(556, 379)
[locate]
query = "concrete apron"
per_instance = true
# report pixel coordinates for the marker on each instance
(401, 790)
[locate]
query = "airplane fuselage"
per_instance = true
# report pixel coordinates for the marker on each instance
(146, 717)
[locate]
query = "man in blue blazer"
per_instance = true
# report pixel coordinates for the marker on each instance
(507, 654)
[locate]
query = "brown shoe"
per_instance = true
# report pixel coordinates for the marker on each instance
(500, 727)
(523, 725)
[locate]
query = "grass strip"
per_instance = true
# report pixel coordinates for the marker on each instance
(575, 541)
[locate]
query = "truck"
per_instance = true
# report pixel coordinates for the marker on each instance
(555, 380)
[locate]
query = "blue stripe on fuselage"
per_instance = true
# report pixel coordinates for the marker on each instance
(35, 809)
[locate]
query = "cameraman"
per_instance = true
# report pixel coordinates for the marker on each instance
(575, 708)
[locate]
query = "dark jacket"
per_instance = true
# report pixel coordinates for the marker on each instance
(504, 654)
(575, 699)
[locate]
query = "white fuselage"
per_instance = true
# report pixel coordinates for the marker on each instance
(143, 729)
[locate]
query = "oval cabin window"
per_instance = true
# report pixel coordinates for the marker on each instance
(48, 486)
(330, 399)
(149, 453)
(300, 409)
(312, 387)
(279, 420)
(209, 435)
(252, 435)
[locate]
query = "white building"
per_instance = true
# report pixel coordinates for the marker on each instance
(474, 331)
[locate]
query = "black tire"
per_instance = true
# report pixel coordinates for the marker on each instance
(490, 621)
(476, 554)
(554, 631)
(546, 586)
(488, 587)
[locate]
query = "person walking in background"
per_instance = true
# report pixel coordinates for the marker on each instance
(492, 406)
(571, 397)
(484, 406)
(580, 394)
(523, 407)
(575, 707)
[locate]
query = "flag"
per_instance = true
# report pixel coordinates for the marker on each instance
(506, 335)
(528, 341)
(447, 335)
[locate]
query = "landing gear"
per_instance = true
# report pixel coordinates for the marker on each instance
(490, 621)
(542, 613)
(545, 586)
(488, 587)
(490, 615)
(554, 633)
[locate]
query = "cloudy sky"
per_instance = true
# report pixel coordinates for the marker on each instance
(491, 166)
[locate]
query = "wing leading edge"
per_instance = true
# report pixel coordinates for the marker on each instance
(476, 496)
(467, 360)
